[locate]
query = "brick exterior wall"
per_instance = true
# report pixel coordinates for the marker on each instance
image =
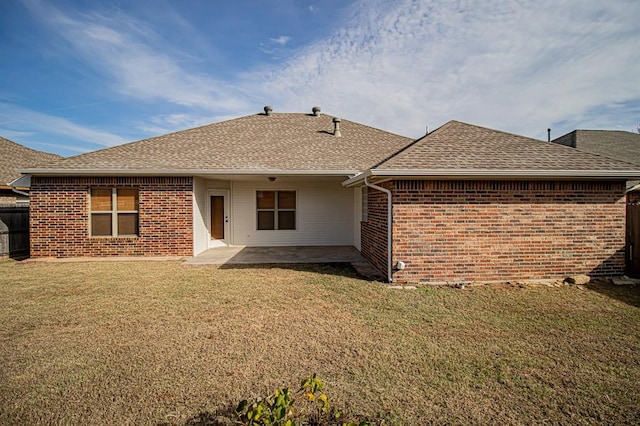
(373, 232)
(458, 231)
(59, 217)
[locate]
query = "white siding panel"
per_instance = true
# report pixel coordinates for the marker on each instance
(357, 216)
(324, 213)
(200, 233)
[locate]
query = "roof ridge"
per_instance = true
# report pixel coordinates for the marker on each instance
(605, 130)
(253, 141)
(462, 145)
(413, 143)
(158, 136)
(38, 151)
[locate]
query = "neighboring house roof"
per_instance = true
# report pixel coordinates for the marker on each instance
(463, 150)
(616, 144)
(611, 143)
(260, 143)
(14, 156)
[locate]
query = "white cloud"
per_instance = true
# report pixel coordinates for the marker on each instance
(12, 134)
(282, 40)
(138, 61)
(518, 66)
(16, 119)
(167, 123)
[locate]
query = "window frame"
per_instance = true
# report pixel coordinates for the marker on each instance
(364, 204)
(114, 212)
(276, 209)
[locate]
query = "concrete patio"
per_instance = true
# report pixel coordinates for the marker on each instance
(240, 255)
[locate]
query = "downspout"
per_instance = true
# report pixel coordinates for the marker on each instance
(17, 191)
(389, 225)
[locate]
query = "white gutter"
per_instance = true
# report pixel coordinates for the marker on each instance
(496, 174)
(17, 191)
(389, 226)
(182, 172)
(13, 184)
(635, 188)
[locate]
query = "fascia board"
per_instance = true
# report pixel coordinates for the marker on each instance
(182, 172)
(448, 174)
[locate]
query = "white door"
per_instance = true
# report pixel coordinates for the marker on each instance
(218, 218)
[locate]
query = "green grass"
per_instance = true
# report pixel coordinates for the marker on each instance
(159, 342)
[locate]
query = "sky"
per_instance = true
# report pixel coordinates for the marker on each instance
(77, 76)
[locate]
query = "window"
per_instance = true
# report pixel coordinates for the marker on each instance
(114, 212)
(276, 210)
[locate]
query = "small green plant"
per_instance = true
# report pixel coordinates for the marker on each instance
(312, 387)
(278, 408)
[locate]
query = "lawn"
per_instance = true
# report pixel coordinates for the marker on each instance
(163, 343)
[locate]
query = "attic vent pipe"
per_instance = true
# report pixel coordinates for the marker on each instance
(336, 127)
(267, 110)
(316, 111)
(548, 135)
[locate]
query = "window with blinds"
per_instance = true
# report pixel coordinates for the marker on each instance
(114, 212)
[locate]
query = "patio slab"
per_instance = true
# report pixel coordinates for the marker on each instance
(240, 255)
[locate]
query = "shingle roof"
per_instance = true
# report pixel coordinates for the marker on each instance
(461, 146)
(276, 142)
(14, 156)
(611, 143)
(616, 144)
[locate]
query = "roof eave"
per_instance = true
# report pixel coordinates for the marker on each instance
(465, 174)
(183, 172)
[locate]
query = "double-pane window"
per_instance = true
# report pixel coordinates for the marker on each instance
(276, 210)
(114, 212)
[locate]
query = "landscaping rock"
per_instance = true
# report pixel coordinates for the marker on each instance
(578, 279)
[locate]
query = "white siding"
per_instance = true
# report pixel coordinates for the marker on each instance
(357, 216)
(200, 231)
(324, 213)
(199, 216)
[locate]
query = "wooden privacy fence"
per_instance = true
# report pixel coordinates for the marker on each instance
(633, 238)
(14, 231)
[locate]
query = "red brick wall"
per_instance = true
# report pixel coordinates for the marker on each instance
(373, 232)
(492, 230)
(59, 217)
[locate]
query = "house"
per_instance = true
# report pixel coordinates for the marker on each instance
(622, 146)
(463, 203)
(269, 179)
(13, 157)
(617, 144)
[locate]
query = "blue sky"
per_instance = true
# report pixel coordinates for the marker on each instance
(84, 75)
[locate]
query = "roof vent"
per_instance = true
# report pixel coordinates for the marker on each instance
(548, 135)
(316, 111)
(267, 110)
(336, 127)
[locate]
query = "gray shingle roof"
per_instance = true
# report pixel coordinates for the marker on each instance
(616, 144)
(14, 156)
(461, 146)
(611, 143)
(278, 142)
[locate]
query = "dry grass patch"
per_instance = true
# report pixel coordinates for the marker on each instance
(152, 343)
